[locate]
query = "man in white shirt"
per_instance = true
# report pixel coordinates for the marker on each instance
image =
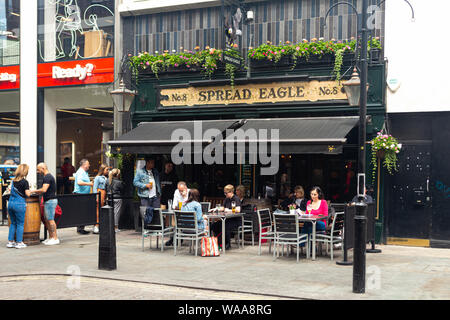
(180, 195)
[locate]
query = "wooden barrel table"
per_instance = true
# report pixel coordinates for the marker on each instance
(32, 225)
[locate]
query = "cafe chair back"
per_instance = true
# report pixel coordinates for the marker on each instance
(334, 234)
(287, 232)
(186, 228)
(249, 217)
(155, 228)
(265, 227)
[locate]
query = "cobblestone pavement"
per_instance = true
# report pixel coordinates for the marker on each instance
(48, 287)
(397, 273)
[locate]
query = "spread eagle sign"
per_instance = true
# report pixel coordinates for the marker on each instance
(232, 31)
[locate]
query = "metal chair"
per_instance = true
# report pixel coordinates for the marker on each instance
(333, 235)
(206, 206)
(186, 228)
(249, 214)
(155, 228)
(287, 232)
(265, 222)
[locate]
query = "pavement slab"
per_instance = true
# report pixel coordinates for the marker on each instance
(398, 272)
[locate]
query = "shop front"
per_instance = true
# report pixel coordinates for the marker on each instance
(269, 132)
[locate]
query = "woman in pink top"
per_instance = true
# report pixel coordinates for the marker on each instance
(316, 206)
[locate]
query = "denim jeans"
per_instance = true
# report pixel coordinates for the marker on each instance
(151, 202)
(49, 209)
(16, 211)
(307, 227)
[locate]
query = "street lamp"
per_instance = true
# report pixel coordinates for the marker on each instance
(356, 90)
(122, 97)
(352, 89)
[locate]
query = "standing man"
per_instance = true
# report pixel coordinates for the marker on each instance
(67, 170)
(82, 185)
(148, 184)
(50, 202)
(169, 181)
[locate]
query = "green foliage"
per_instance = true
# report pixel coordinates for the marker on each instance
(390, 146)
(208, 60)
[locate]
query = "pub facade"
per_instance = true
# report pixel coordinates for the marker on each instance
(297, 102)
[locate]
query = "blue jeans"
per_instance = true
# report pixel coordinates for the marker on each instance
(16, 211)
(49, 209)
(151, 202)
(307, 227)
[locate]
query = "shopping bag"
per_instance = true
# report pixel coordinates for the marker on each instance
(210, 247)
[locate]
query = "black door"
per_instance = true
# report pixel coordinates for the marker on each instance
(409, 196)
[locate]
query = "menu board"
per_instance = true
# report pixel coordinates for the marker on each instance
(246, 178)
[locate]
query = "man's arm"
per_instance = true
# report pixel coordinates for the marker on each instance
(44, 189)
(137, 182)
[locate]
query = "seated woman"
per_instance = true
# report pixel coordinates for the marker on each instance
(230, 224)
(316, 206)
(240, 193)
(298, 200)
(193, 204)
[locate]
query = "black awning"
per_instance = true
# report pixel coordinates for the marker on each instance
(160, 137)
(324, 135)
(298, 135)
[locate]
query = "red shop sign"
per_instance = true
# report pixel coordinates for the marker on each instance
(76, 72)
(9, 78)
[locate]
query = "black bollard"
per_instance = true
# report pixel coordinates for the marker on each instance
(359, 249)
(107, 238)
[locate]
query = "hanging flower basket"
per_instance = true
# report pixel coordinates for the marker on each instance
(385, 147)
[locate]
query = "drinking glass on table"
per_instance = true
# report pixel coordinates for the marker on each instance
(180, 204)
(169, 203)
(308, 209)
(233, 207)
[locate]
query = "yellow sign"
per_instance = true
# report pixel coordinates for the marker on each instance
(253, 94)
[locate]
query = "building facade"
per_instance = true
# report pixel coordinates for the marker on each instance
(56, 104)
(418, 113)
(175, 27)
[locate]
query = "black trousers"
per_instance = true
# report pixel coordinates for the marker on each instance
(230, 225)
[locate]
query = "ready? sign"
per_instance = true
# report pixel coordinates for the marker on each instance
(78, 72)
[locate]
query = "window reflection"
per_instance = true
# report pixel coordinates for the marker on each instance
(75, 29)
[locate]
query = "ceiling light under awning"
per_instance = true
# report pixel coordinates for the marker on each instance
(75, 112)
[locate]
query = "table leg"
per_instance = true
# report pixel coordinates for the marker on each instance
(314, 241)
(223, 234)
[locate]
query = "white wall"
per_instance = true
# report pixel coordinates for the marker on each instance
(418, 55)
(50, 126)
(28, 87)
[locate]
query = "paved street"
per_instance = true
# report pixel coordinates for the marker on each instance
(41, 272)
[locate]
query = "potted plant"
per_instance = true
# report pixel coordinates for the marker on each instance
(374, 47)
(292, 208)
(385, 147)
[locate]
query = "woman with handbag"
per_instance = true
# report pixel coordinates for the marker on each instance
(100, 182)
(17, 206)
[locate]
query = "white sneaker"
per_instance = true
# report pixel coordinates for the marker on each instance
(11, 244)
(117, 230)
(20, 245)
(52, 242)
(45, 241)
(96, 230)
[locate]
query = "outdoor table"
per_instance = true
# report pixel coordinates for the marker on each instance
(313, 219)
(223, 217)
